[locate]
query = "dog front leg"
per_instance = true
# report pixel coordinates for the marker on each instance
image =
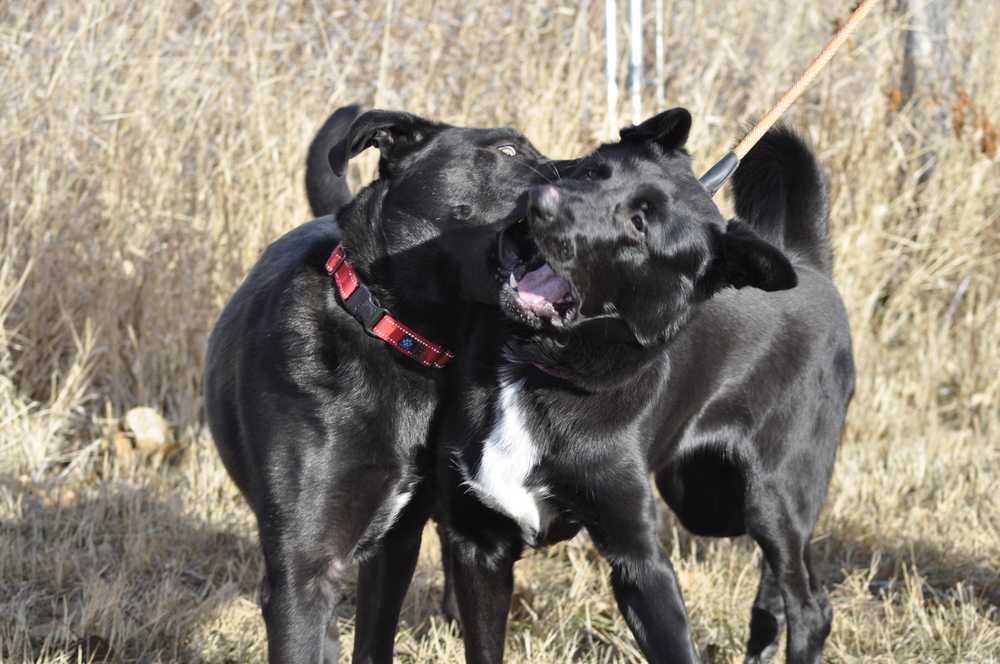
(642, 577)
(649, 598)
(483, 581)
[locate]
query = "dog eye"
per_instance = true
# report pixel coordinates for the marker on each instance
(508, 150)
(639, 222)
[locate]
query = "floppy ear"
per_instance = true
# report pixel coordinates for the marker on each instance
(668, 129)
(743, 259)
(392, 132)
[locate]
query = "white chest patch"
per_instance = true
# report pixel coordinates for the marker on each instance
(509, 456)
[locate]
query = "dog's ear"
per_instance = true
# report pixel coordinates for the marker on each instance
(668, 129)
(742, 258)
(394, 133)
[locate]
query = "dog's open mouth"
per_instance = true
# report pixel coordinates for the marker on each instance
(532, 292)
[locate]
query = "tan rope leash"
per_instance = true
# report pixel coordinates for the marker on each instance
(715, 177)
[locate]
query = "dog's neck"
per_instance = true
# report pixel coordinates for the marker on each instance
(365, 245)
(362, 240)
(589, 363)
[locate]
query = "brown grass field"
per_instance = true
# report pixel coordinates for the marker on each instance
(149, 151)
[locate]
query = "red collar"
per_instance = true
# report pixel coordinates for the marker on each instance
(362, 304)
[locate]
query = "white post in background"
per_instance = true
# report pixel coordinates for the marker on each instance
(611, 64)
(661, 98)
(635, 58)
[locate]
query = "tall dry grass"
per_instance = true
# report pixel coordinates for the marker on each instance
(149, 151)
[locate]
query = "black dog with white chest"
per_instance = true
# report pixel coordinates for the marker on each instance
(643, 334)
(323, 371)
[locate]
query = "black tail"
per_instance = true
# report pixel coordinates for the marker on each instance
(781, 192)
(327, 192)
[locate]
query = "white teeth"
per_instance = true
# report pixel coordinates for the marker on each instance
(550, 312)
(512, 281)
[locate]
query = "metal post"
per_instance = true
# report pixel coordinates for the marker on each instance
(635, 59)
(611, 64)
(661, 97)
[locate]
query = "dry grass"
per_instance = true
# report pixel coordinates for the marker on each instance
(150, 150)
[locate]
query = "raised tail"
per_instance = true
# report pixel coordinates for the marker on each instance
(781, 192)
(327, 192)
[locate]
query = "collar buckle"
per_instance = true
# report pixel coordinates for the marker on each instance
(359, 301)
(365, 307)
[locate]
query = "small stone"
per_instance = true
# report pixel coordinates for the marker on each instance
(68, 499)
(61, 500)
(148, 427)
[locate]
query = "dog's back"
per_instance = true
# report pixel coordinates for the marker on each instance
(780, 190)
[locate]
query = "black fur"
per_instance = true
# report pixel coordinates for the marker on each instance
(323, 427)
(326, 190)
(673, 360)
(779, 184)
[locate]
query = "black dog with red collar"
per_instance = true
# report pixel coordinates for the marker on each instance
(324, 429)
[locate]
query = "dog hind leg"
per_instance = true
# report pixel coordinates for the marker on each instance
(767, 618)
(299, 613)
(383, 579)
(310, 539)
(819, 592)
(783, 536)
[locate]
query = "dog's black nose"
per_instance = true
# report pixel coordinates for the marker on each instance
(543, 203)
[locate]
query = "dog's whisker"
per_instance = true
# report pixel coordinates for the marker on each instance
(539, 173)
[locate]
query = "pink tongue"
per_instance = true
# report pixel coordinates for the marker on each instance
(542, 286)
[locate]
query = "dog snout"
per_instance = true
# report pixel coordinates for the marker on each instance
(543, 204)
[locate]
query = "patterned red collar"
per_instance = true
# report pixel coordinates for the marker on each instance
(362, 304)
